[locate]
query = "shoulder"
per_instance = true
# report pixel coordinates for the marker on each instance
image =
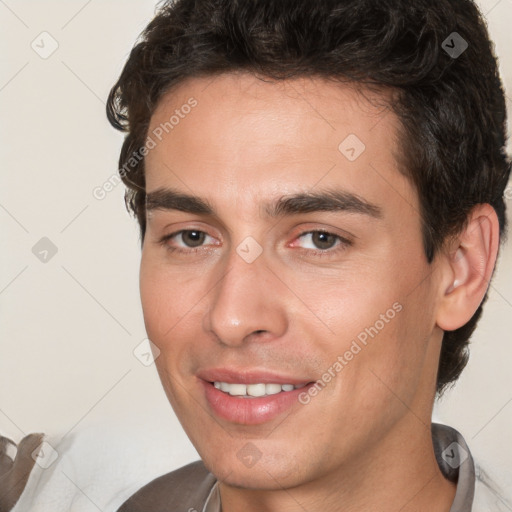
(182, 489)
(488, 494)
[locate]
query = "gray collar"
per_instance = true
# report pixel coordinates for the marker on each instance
(456, 464)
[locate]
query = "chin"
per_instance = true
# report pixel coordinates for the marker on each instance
(264, 474)
(254, 479)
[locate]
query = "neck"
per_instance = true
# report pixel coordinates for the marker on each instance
(400, 473)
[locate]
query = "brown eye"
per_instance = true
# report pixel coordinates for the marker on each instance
(319, 243)
(193, 238)
(185, 241)
(321, 240)
(324, 240)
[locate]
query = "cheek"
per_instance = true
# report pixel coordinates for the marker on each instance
(164, 310)
(156, 304)
(354, 307)
(167, 301)
(173, 305)
(392, 364)
(381, 331)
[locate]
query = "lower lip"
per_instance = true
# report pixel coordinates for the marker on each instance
(250, 411)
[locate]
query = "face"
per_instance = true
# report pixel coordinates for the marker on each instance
(289, 297)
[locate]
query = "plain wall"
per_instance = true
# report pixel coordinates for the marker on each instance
(68, 326)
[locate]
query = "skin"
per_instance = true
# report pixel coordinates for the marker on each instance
(364, 442)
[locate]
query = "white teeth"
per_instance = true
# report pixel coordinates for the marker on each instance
(254, 390)
(273, 389)
(237, 389)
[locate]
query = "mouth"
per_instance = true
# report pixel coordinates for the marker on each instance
(255, 390)
(251, 398)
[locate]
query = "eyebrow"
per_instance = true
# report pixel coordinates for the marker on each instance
(331, 200)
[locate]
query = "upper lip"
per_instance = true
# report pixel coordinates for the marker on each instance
(248, 376)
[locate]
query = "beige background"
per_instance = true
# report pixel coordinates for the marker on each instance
(68, 327)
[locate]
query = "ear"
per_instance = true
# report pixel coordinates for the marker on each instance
(467, 268)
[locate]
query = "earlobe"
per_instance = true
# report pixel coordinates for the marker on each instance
(469, 268)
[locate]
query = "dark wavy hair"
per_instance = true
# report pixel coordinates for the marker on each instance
(451, 107)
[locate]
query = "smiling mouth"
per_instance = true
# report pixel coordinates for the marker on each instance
(257, 390)
(251, 402)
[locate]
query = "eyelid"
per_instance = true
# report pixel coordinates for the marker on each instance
(314, 227)
(342, 245)
(164, 239)
(312, 231)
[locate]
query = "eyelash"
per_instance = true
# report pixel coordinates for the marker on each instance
(341, 246)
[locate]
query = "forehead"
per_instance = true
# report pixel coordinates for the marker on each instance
(245, 137)
(242, 100)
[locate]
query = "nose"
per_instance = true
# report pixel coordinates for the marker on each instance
(248, 301)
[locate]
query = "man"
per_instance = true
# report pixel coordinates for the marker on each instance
(319, 187)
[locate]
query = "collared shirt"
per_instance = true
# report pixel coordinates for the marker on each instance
(194, 488)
